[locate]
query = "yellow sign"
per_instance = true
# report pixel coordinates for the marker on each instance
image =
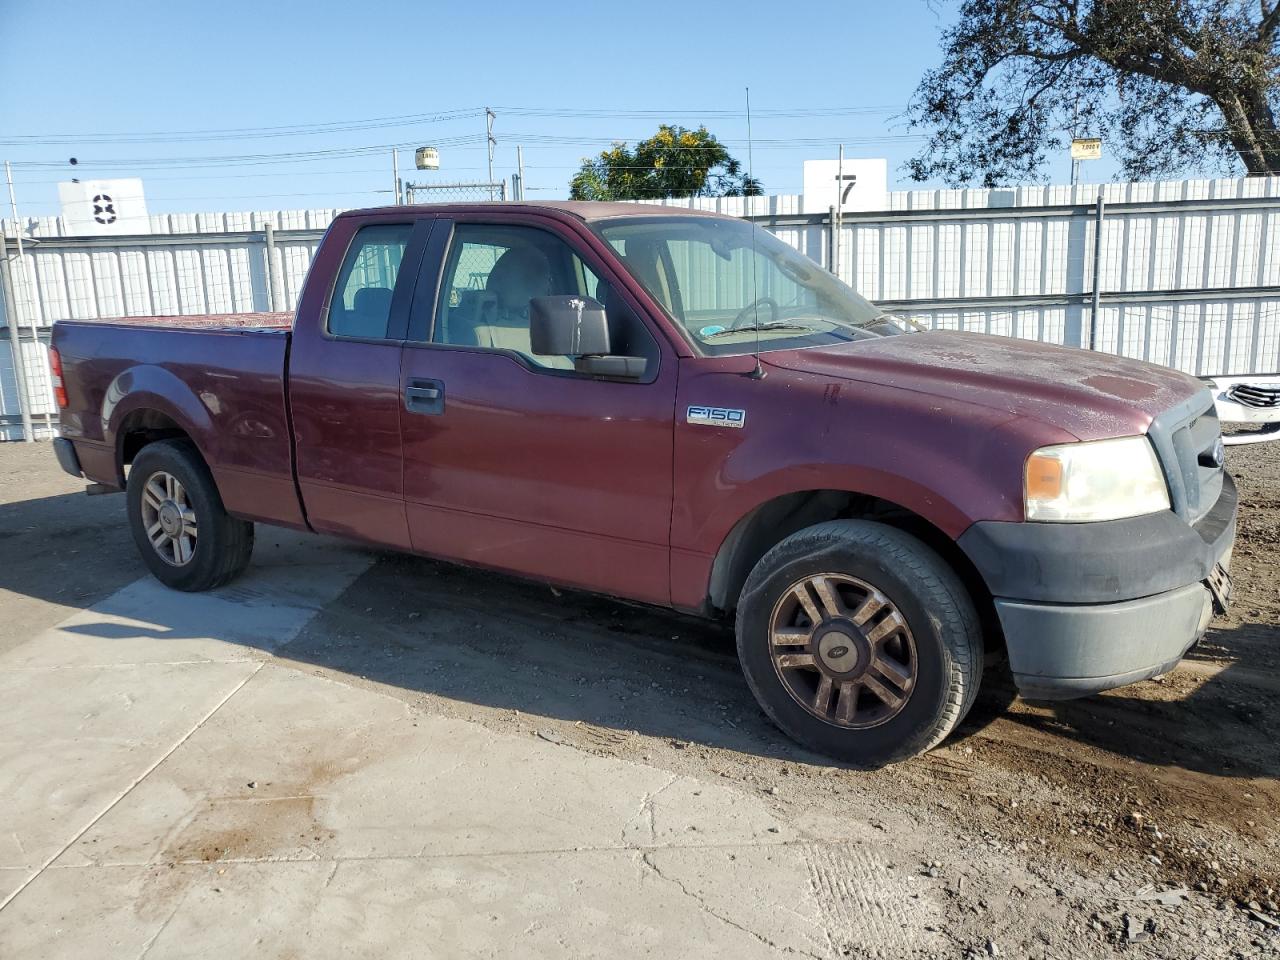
(1086, 148)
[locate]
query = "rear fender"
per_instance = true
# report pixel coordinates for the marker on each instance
(150, 387)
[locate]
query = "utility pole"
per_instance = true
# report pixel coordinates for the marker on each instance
(520, 171)
(395, 174)
(489, 117)
(838, 224)
(15, 341)
(1094, 313)
(22, 275)
(1075, 130)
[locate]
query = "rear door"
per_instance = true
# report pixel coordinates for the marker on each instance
(344, 379)
(515, 461)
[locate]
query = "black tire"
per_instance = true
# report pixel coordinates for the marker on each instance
(221, 546)
(942, 627)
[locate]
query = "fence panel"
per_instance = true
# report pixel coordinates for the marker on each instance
(1190, 270)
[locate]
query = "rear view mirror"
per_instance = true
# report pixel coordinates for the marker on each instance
(568, 326)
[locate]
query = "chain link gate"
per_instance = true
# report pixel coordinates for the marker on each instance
(443, 192)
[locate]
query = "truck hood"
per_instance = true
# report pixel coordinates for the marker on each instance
(1092, 396)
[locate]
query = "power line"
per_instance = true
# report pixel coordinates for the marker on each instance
(266, 196)
(716, 114)
(372, 123)
(463, 142)
(246, 159)
(242, 176)
(236, 133)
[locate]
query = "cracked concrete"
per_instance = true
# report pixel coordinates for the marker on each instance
(437, 761)
(175, 791)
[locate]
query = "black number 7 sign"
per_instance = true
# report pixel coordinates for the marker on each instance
(852, 178)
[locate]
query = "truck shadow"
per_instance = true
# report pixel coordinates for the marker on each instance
(1210, 718)
(484, 640)
(481, 638)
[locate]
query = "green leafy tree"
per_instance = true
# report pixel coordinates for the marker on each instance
(674, 162)
(1171, 86)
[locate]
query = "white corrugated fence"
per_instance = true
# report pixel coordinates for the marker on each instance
(1190, 270)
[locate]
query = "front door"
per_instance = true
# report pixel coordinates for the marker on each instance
(515, 461)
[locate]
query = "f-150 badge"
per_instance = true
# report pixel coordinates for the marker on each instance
(717, 417)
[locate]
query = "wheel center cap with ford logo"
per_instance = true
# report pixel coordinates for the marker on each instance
(840, 651)
(170, 518)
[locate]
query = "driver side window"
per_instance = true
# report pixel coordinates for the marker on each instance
(491, 274)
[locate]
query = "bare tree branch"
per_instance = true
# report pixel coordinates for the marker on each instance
(1150, 76)
(1270, 21)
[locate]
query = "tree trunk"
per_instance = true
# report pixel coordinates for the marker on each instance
(1251, 126)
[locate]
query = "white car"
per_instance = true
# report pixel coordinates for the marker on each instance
(1249, 407)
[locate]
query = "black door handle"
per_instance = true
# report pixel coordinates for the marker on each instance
(424, 396)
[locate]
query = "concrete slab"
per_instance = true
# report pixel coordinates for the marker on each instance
(178, 792)
(90, 707)
(585, 904)
(342, 772)
(292, 576)
(72, 742)
(11, 878)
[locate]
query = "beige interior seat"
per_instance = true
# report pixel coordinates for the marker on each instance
(500, 319)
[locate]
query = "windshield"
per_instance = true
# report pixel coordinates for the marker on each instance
(726, 286)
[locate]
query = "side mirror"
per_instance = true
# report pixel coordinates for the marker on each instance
(568, 326)
(578, 327)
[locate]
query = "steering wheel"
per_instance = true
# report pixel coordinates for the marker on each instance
(750, 310)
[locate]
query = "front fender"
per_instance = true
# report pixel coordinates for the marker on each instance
(950, 463)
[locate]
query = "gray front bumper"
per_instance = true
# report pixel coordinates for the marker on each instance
(1057, 652)
(1090, 606)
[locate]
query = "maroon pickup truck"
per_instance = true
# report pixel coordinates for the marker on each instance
(680, 409)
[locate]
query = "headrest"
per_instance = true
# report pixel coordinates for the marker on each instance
(372, 302)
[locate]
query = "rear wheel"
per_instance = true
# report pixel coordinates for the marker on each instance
(859, 641)
(185, 535)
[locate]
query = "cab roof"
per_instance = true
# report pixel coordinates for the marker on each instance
(586, 210)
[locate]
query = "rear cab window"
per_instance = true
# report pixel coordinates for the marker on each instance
(361, 303)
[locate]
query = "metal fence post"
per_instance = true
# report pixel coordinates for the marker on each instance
(273, 293)
(1097, 272)
(15, 340)
(832, 243)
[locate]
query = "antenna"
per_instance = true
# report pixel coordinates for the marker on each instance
(757, 372)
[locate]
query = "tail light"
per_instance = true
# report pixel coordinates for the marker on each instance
(59, 389)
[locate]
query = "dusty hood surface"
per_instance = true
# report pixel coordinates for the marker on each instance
(1090, 395)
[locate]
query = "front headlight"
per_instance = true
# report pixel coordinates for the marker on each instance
(1094, 480)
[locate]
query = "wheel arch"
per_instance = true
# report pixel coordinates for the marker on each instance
(771, 522)
(141, 428)
(148, 403)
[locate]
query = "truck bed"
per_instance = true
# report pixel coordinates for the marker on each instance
(220, 377)
(205, 321)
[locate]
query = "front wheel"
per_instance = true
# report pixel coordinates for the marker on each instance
(859, 641)
(186, 537)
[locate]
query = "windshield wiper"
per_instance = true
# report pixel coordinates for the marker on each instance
(754, 327)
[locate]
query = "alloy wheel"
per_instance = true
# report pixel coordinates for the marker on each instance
(843, 650)
(168, 518)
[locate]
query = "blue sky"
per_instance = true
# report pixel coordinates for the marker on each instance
(565, 79)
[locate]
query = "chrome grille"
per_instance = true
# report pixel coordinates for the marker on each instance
(1254, 395)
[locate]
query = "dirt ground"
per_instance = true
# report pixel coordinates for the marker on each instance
(1143, 822)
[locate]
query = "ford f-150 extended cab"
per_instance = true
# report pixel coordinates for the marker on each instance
(680, 409)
